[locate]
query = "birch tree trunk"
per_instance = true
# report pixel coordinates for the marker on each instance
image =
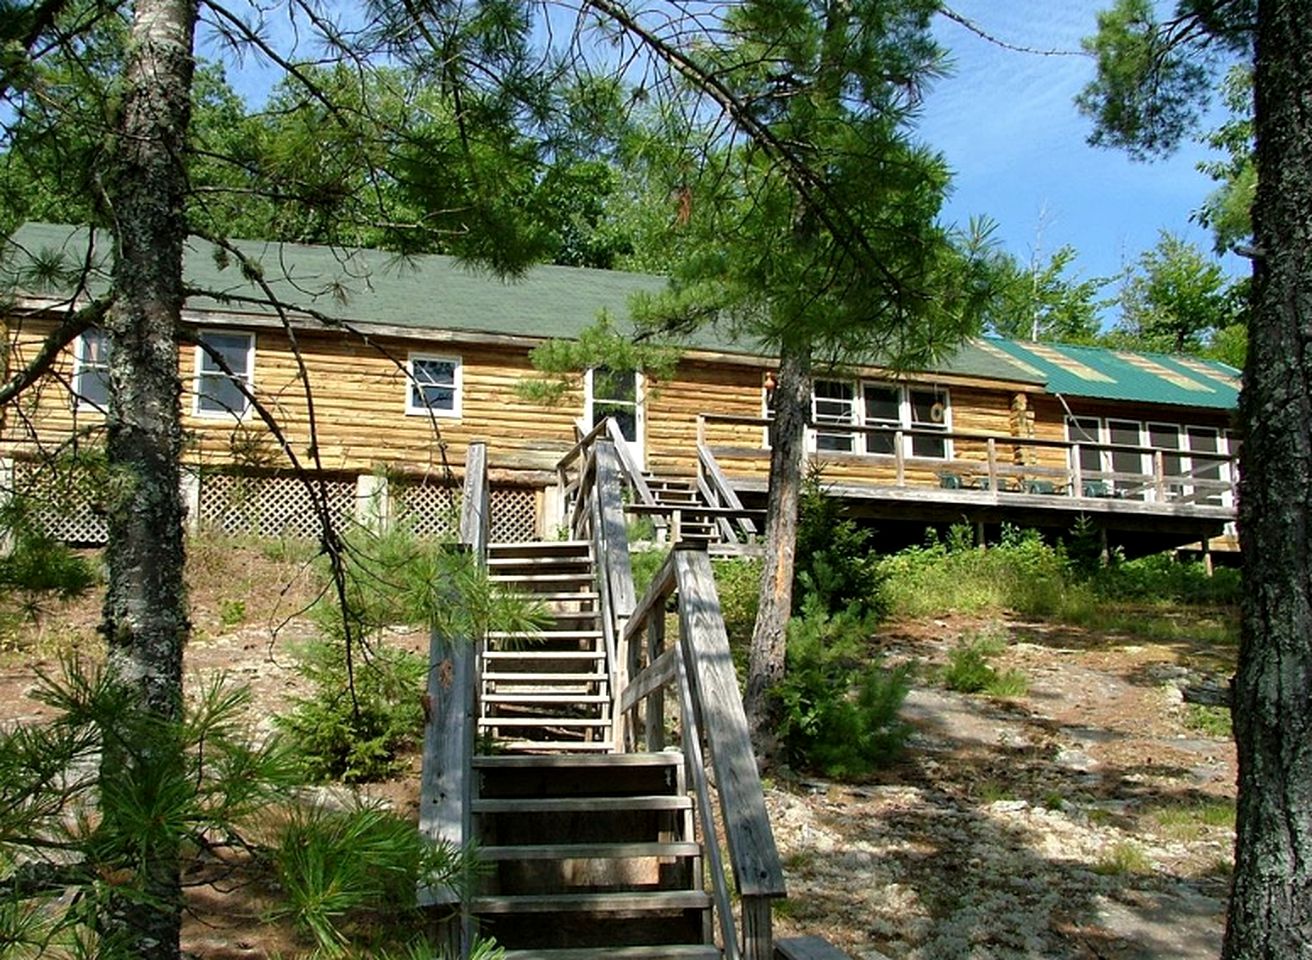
(145, 620)
(765, 669)
(1271, 902)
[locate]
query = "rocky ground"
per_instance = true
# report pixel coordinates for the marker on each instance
(1090, 817)
(1085, 819)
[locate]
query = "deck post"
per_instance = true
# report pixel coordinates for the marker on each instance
(993, 465)
(1077, 472)
(899, 459)
(1159, 475)
(655, 721)
(758, 935)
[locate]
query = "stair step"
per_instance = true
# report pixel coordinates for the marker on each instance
(590, 851)
(544, 654)
(533, 547)
(665, 759)
(581, 804)
(533, 562)
(563, 596)
(552, 578)
(545, 697)
(674, 951)
(546, 721)
(661, 900)
(573, 748)
(512, 677)
(544, 635)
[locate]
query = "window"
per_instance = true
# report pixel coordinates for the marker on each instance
(834, 402)
(224, 362)
(91, 370)
(929, 411)
(1209, 469)
(884, 406)
(434, 386)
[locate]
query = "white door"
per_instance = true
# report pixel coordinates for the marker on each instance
(617, 394)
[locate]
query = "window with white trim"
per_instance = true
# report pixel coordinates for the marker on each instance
(91, 370)
(883, 405)
(834, 402)
(433, 385)
(225, 362)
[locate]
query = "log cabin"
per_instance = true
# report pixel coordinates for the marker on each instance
(379, 371)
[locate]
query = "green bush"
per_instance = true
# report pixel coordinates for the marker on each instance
(835, 559)
(839, 707)
(968, 669)
(738, 582)
(355, 736)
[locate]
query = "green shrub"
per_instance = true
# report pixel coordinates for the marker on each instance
(839, 707)
(738, 582)
(835, 559)
(332, 864)
(968, 669)
(645, 564)
(355, 738)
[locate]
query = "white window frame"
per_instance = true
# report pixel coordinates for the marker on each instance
(861, 445)
(852, 419)
(412, 384)
(247, 375)
(83, 367)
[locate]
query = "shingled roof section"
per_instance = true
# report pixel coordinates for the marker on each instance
(430, 292)
(1131, 375)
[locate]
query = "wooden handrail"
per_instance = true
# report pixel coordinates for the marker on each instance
(709, 472)
(632, 471)
(701, 667)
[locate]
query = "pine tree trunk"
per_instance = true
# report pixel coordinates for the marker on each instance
(1271, 902)
(765, 669)
(145, 615)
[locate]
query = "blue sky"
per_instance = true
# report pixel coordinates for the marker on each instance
(1010, 131)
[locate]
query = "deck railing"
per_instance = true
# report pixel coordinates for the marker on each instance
(712, 723)
(712, 727)
(1002, 463)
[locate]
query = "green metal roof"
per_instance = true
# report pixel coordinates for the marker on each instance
(370, 287)
(1129, 375)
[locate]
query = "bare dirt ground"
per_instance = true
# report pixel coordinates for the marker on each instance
(1087, 818)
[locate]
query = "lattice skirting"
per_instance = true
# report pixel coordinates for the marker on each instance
(273, 505)
(67, 507)
(278, 505)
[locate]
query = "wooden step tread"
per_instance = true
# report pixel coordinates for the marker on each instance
(564, 596)
(544, 635)
(543, 721)
(665, 759)
(590, 851)
(675, 951)
(580, 804)
(657, 900)
(533, 545)
(580, 577)
(543, 654)
(571, 560)
(551, 749)
(508, 676)
(545, 696)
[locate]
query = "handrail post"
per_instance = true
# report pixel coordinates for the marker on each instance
(899, 458)
(1077, 471)
(1159, 475)
(993, 464)
(445, 786)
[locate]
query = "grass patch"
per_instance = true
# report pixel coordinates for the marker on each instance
(1191, 821)
(1123, 859)
(1211, 721)
(968, 669)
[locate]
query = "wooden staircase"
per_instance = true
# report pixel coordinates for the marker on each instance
(591, 853)
(674, 493)
(589, 856)
(547, 753)
(549, 692)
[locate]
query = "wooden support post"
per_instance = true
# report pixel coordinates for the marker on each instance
(1077, 472)
(1105, 552)
(993, 465)
(899, 459)
(6, 495)
(758, 935)
(655, 725)
(1159, 475)
(371, 502)
(1207, 554)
